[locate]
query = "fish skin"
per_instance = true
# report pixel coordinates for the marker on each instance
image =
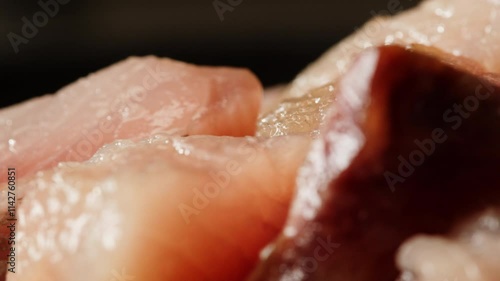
(391, 99)
(120, 211)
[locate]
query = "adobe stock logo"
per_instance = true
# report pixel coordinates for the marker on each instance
(221, 7)
(29, 30)
(121, 275)
(305, 266)
(453, 116)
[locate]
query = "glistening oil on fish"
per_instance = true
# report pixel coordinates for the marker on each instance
(378, 162)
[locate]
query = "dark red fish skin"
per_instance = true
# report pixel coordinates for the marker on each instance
(409, 93)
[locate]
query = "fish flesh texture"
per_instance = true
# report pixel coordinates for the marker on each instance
(132, 99)
(164, 208)
(411, 150)
(455, 27)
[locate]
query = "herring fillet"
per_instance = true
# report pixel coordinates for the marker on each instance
(460, 27)
(469, 29)
(413, 148)
(119, 213)
(132, 99)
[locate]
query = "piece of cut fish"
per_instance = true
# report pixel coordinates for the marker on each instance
(412, 147)
(167, 208)
(470, 253)
(456, 27)
(132, 99)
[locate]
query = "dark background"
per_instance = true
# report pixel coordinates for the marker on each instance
(275, 39)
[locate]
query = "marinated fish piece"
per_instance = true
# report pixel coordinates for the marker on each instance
(456, 27)
(412, 147)
(453, 26)
(168, 208)
(471, 252)
(302, 115)
(133, 99)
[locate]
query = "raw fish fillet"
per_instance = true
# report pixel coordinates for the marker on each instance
(193, 208)
(203, 207)
(413, 148)
(464, 28)
(132, 99)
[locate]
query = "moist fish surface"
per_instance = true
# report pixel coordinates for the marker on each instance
(412, 150)
(455, 27)
(193, 208)
(132, 99)
(179, 208)
(470, 252)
